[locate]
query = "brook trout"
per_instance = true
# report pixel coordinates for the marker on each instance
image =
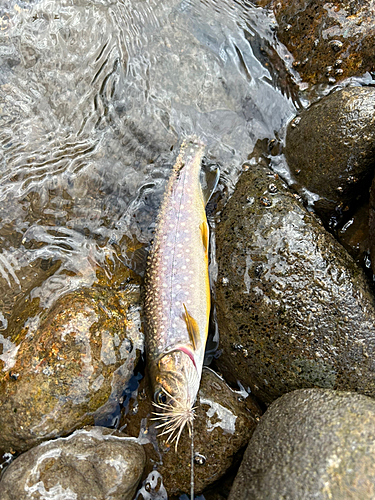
(177, 302)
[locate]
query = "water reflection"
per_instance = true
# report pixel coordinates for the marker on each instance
(95, 96)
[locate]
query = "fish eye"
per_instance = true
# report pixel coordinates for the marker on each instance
(160, 397)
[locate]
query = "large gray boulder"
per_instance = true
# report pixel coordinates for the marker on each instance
(311, 444)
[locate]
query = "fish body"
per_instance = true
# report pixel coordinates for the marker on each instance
(177, 299)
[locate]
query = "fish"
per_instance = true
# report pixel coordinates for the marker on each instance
(177, 293)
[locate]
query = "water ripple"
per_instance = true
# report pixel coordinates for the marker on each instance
(95, 97)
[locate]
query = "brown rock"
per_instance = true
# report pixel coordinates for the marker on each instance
(330, 150)
(223, 425)
(61, 368)
(329, 41)
(354, 234)
(372, 225)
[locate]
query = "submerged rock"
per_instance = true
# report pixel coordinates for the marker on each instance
(92, 464)
(225, 420)
(68, 364)
(330, 149)
(294, 309)
(311, 444)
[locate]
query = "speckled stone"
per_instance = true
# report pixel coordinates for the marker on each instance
(92, 464)
(294, 310)
(311, 444)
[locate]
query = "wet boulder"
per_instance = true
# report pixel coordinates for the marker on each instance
(92, 464)
(329, 41)
(371, 219)
(311, 443)
(67, 364)
(354, 234)
(225, 420)
(294, 310)
(330, 150)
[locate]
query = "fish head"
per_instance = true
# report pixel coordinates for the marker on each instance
(175, 391)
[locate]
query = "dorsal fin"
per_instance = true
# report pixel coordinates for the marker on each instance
(212, 179)
(204, 232)
(192, 327)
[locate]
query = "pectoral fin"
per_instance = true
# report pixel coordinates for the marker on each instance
(192, 327)
(204, 232)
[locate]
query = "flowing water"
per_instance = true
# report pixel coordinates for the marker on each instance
(95, 99)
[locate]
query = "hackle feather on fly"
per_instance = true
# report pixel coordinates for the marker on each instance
(175, 415)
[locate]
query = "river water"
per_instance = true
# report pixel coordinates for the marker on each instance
(95, 98)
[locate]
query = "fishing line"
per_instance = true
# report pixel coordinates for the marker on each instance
(192, 462)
